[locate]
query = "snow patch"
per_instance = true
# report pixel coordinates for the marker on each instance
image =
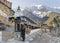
(57, 7)
(0, 35)
(39, 6)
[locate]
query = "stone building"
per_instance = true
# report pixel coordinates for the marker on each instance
(5, 11)
(6, 7)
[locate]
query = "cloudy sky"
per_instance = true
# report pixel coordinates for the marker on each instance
(27, 3)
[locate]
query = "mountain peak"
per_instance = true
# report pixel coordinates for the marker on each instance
(38, 6)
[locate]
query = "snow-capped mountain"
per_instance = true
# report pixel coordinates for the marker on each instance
(33, 17)
(41, 10)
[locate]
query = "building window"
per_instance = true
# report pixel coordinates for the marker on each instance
(5, 9)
